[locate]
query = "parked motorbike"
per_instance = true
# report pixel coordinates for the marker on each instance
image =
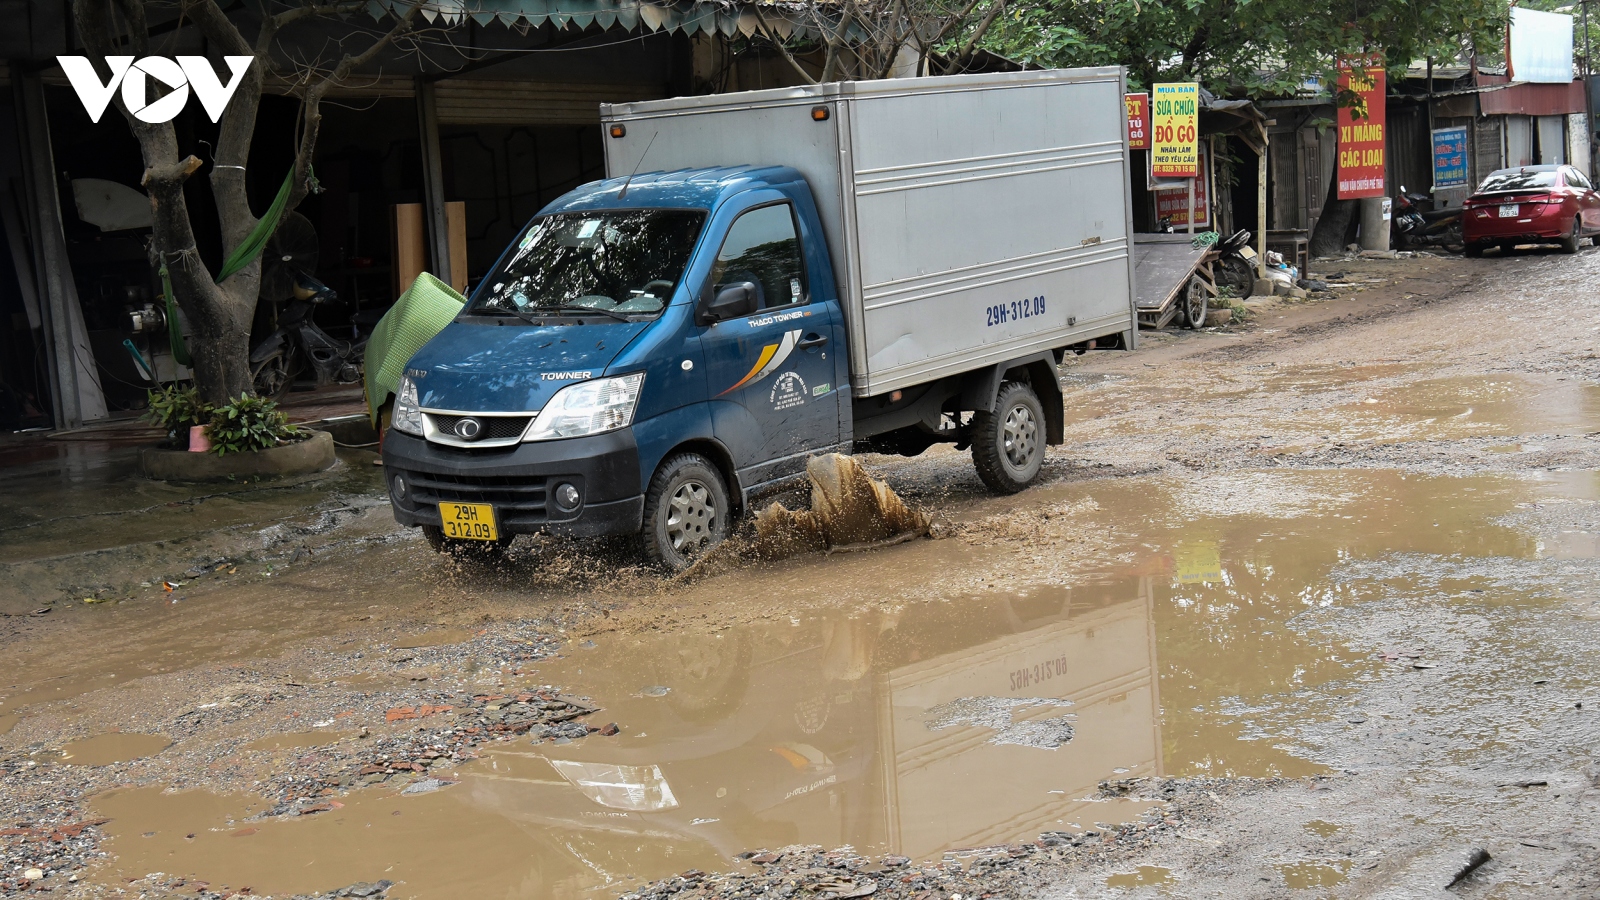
(297, 347)
(1237, 265)
(1411, 226)
(298, 344)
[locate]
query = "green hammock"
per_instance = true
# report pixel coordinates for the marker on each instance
(256, 240)
(242, 256)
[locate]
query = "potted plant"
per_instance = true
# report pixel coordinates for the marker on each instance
(177, 411)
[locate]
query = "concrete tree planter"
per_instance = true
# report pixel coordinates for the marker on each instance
(299, 458)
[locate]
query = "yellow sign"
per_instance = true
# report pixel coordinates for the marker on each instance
(1175, 130)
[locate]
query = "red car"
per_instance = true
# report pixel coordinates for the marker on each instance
(1531, 205)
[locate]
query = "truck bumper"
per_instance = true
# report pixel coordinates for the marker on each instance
(521, 482)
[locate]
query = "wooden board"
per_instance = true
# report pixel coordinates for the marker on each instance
(410, 251)
(1162, 264)
(455, 218)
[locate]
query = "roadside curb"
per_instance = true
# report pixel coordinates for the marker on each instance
(300, 458)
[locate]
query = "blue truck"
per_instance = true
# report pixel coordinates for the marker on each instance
(767, 276)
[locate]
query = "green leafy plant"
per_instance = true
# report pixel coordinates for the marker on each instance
(176, 410)
(251, 423)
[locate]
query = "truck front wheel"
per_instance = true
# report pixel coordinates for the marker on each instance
(686, 511)
(1008, 444)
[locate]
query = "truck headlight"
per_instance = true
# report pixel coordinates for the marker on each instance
(407, 415)
(588, 407)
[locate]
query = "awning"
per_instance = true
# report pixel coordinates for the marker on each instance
(688, 16)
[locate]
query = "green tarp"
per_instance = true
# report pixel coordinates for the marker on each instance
(421, 312)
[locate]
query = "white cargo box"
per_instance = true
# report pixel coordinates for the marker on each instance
(972, 219)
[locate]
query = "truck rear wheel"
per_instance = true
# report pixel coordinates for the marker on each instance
(1008, 444)
(686, 511)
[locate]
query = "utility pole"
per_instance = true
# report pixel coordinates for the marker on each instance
(1588, 93)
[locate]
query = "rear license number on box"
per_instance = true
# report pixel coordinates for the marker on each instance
(1508, 210)
(468, 521)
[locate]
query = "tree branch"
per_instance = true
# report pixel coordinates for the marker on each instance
(311, 120)
(213, 22)
(777, 41)
(960, 62)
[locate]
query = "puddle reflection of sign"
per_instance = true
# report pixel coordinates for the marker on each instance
(1172, 199)
(1138, 121)
(1449, 157)
(1361, 126)
(1198, 562)
(1175, 130)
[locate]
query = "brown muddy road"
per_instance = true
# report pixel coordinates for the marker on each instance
(1302, 609)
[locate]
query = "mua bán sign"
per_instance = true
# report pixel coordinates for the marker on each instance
(1361, 131)
(1175, 130)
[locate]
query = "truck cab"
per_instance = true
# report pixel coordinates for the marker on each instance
(649, 352)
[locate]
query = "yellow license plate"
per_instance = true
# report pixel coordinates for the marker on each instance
(469, 521)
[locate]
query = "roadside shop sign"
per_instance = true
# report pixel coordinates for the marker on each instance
(1138, 120)
(1175, 130)
(1361, 126)
(1172, 199)
(1449, 158)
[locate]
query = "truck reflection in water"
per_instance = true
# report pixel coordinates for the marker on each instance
(820, 732)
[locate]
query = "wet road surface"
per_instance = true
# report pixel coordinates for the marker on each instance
(1338, 571)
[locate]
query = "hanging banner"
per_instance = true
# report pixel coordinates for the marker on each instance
(1175, 130)
(1449, 158)
(1138, 120)
(1173, 205)
(1361, 120)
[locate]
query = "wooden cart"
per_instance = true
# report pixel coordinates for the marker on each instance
(1172, 279)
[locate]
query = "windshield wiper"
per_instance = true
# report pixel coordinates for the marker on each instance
(502, 311)
(573, 307)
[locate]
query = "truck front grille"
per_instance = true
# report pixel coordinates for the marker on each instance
(519, 499)
(495, 428)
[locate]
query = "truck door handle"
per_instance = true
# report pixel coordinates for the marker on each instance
(812, 340)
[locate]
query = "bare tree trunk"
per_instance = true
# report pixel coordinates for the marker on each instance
(219, 316)
(219, 320)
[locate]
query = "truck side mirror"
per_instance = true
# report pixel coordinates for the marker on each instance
(735, 299)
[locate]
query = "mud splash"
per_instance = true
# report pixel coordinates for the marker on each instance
(850, 510)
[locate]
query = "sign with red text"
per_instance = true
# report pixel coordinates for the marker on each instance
(1175, 130)
(1361, 131)
(1173, 205)
(1138, 121)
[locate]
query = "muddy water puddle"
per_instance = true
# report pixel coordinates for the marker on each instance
(1306, 875)
(1144, 876)
(916, 727)
(114, 747)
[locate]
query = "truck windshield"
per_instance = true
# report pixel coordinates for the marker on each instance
(624, 262)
